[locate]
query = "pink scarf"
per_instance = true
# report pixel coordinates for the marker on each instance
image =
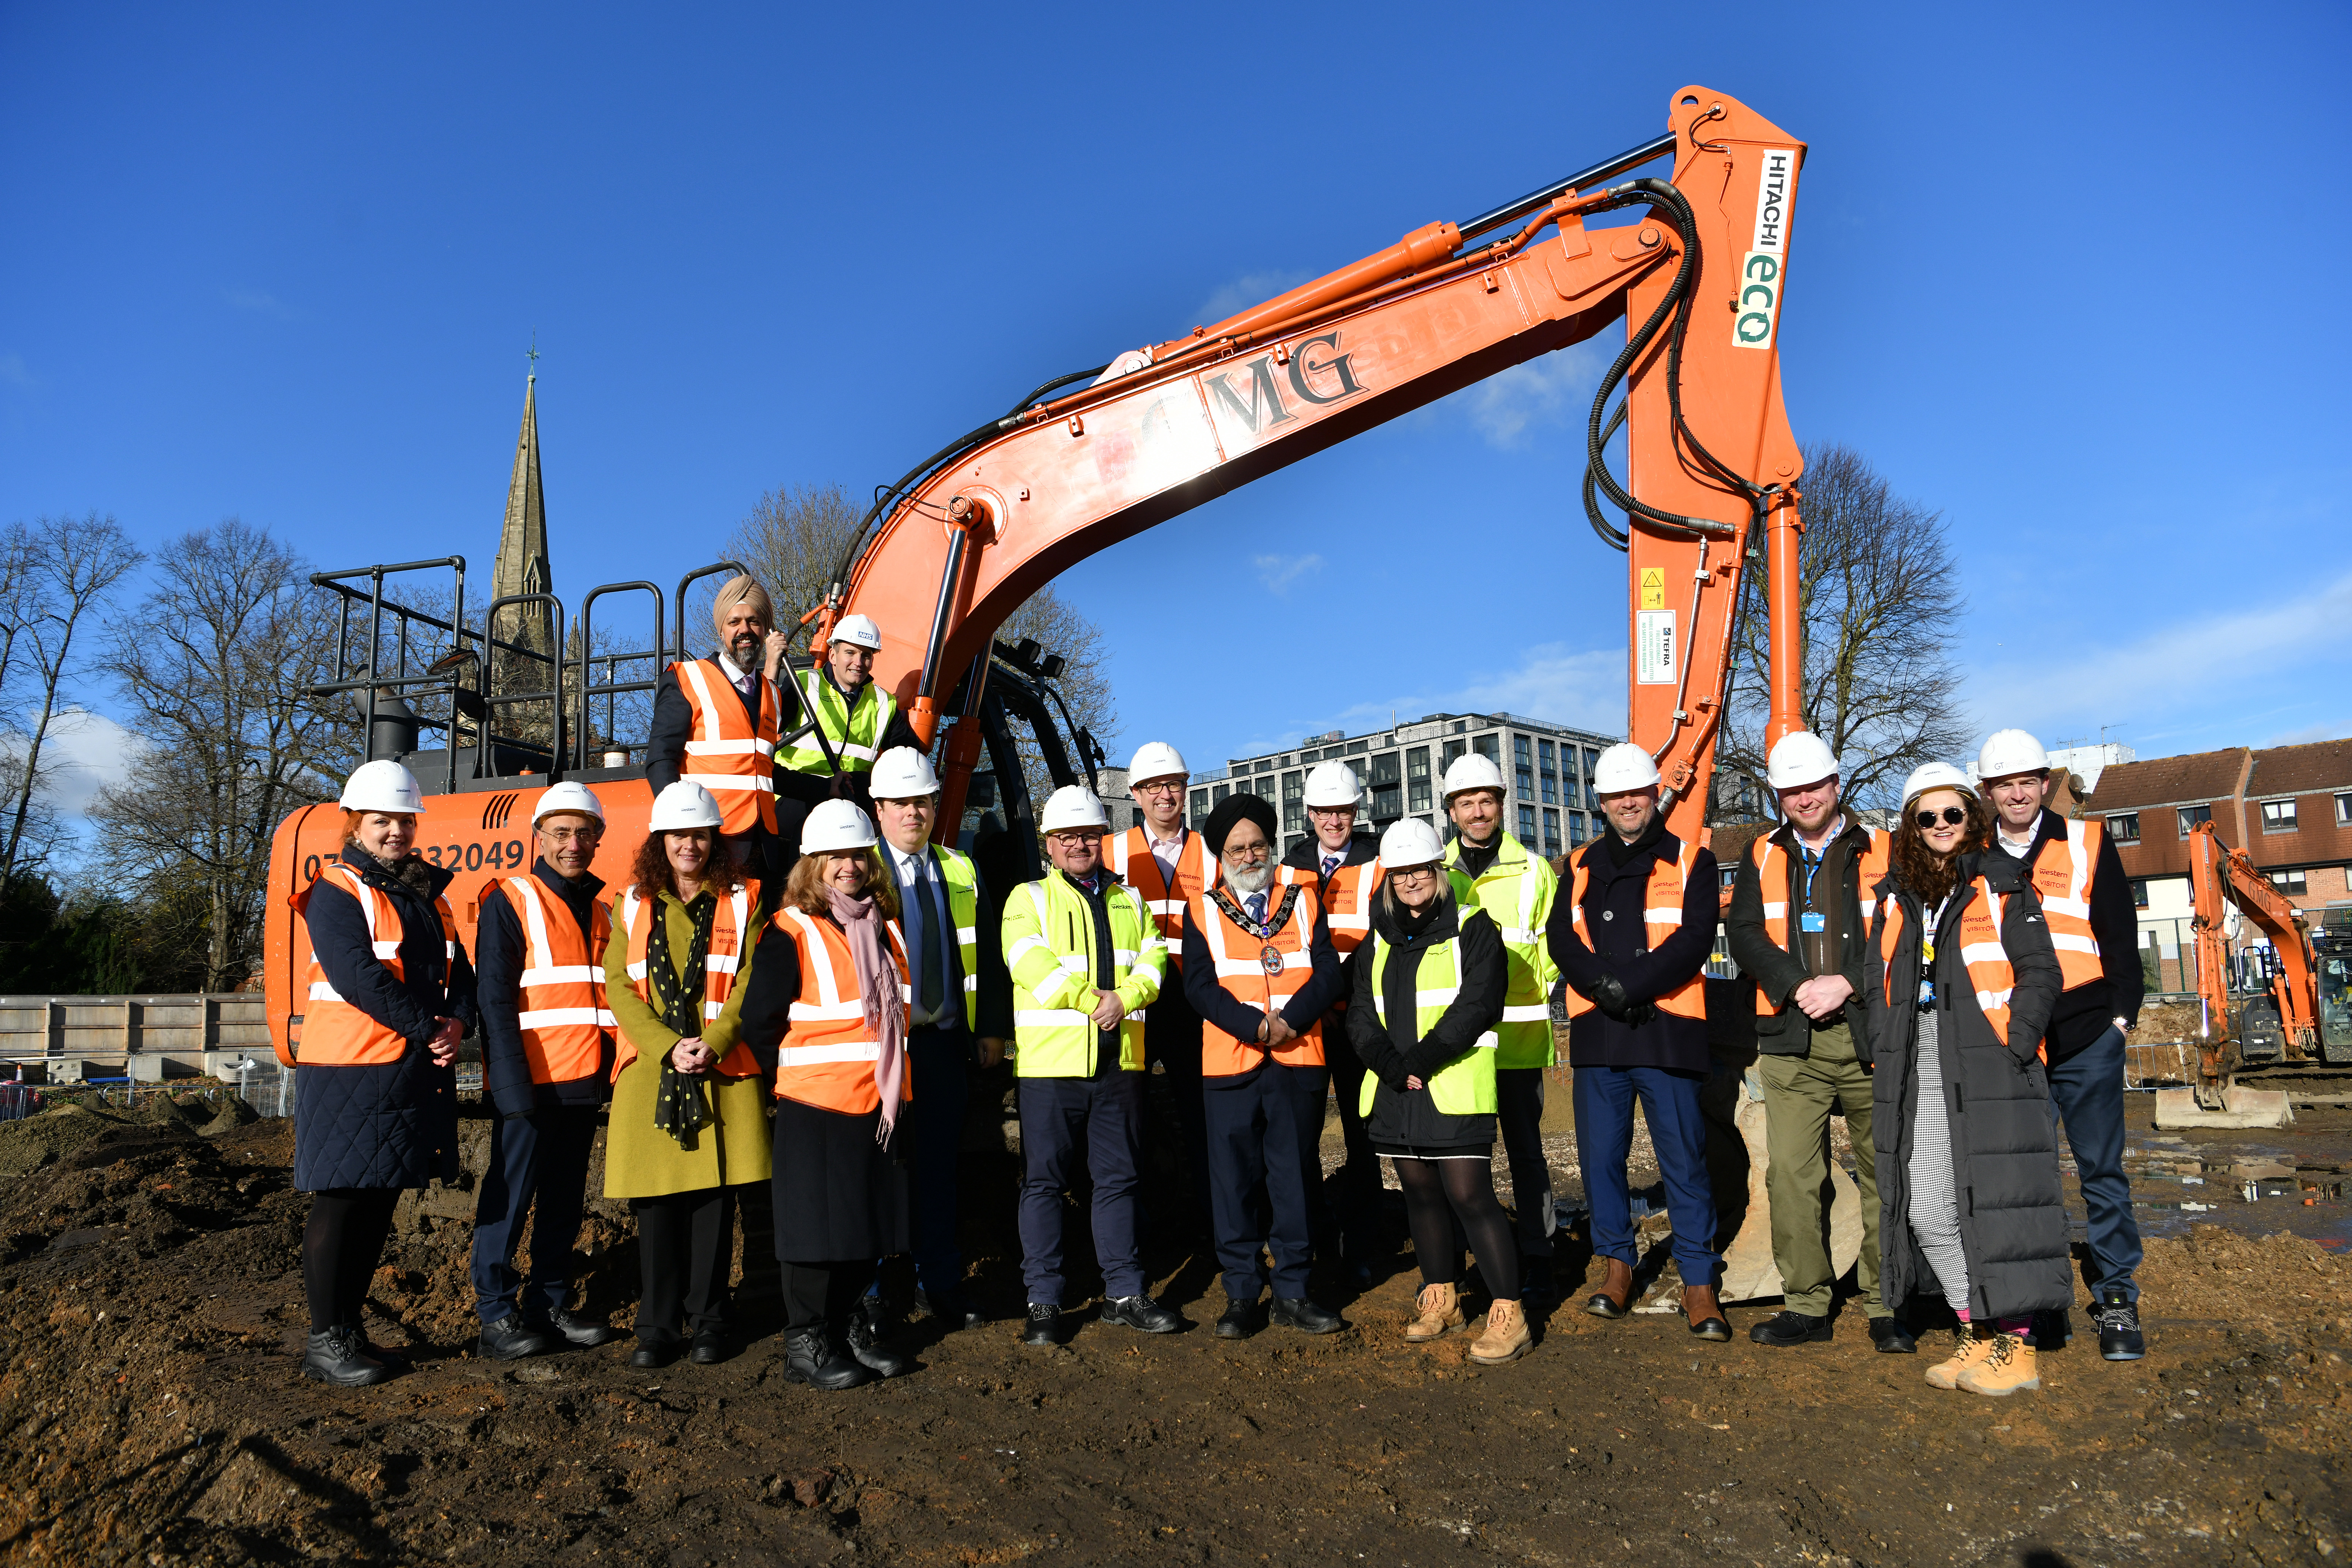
(878, 988)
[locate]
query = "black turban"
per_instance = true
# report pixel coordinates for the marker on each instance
(1234, 810)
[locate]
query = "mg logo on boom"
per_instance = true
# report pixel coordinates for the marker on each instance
(1315, 370)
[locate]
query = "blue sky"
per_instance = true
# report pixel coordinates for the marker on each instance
(2068, 273)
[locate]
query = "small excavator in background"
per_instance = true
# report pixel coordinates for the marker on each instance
(2284, 1025)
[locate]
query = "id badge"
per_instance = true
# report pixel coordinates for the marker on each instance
(1814, 921)
(1926, 992)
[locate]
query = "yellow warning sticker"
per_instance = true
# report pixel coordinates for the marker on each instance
(1654, 588)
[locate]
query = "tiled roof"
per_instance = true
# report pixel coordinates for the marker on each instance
(2162, 780)
(2301, 770)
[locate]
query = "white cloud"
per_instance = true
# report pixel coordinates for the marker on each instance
(84, 753)
(262, 303)
(2235, 677)
(1582, 688)
(1250, 288)
(1278, 571)
(1551, 392)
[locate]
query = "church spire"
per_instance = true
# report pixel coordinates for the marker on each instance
(522, 564)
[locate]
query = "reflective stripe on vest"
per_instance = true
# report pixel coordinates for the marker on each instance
(727, 935)
(1766, 854)
(2064, 882)
(1133, 862)
(559, 1006)
(729, 756)
(336, 1033)
(1049, 947)
(1662, 916)
(1347, 903)
(1465, 1086)
(854, 732)
(1981, 951)
(1517, 891)
(1241, 974)
(828, 1055)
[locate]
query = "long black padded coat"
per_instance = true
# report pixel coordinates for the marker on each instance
(392, 1124)
(2013, 1209)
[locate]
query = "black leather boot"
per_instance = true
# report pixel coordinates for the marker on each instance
(867, 1344)
(811, 1357)
(339, 1356)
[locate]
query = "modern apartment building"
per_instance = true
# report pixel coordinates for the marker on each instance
(1547, 770)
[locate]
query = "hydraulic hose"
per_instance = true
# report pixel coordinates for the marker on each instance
(1600, 524)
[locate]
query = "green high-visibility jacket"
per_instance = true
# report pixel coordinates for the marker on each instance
(1517, 891)
(855, 732)
(1465, 1086)
(1049, 946)
(962, 880)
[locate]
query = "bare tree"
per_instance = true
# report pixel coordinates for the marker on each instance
(1879, 603)
(59, 569)
(213, 662)
(792, 540)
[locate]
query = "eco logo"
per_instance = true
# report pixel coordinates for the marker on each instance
(1758, 306)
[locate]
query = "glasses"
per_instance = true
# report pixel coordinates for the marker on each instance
(1161, 787)
(1950, 816)
(1412, 873)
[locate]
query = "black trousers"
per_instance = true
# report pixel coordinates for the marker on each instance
(1171, 1041)
(1265, 1173)
(822, 1295)
(341, 1243)
(1518, 1116)
(538, 1164)
(1358, 1211)
(685, 1242)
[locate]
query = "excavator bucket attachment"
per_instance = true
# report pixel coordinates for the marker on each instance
(2234, 1106)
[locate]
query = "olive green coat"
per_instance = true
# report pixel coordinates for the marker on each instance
(641, 1161)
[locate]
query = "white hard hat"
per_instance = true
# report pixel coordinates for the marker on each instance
(1332, 784)
(1800, 758)
(837, 825)
(1473, 770)
(2008, 751)
(683, 805)
(1930, 776)
(1623, 766)
(1155, 760)
(902, 772)
(858, 631)
(1073, 806)
(1409, 841)
(567, 796)
(383, 785)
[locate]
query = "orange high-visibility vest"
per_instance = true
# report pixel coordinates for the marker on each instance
(1347, 901)
(726, 956)
(1133, 861)
(1766, 857)
(828, 1054)
(561, 1011)
(2063, 881)
(1662, 916)
(1242, 971)
(1990, 974)
(336, 1033)
(728, 756)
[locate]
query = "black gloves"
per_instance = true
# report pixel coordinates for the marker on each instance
(1609, 996)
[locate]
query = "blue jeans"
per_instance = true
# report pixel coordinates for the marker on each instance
(2087, 1096)
(541, 1159)
(1604, 1133)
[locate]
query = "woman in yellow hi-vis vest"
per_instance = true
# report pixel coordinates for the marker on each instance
(1428, 996)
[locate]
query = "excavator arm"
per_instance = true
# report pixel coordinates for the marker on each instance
(951, 552)
(2220, 876)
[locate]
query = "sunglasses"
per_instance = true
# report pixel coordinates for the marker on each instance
(1950, 816)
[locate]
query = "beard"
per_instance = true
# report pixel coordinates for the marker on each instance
(1251, 881)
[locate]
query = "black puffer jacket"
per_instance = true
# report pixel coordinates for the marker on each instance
(394, 1124)
(2004, 1147)
(1403, 1118)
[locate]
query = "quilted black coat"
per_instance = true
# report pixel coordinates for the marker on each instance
(394, 1124)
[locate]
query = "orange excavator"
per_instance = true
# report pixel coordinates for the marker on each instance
(1695, 275)
(2284, 1027)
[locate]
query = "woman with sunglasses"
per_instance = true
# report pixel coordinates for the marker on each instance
(1429, 990)
(1961, 979)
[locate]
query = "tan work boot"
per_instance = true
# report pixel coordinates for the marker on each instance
(2004, 1369)
(1969, 1347)
(1507, 1338)
(1436, 1312)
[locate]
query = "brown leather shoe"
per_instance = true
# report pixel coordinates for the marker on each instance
(1615, 1297)
(1704, 1317)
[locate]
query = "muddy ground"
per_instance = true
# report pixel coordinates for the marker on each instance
(151, 1412)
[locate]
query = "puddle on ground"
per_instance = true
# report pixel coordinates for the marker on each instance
(2253, 1181)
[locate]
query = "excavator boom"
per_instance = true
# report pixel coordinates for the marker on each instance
(2221, 877)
